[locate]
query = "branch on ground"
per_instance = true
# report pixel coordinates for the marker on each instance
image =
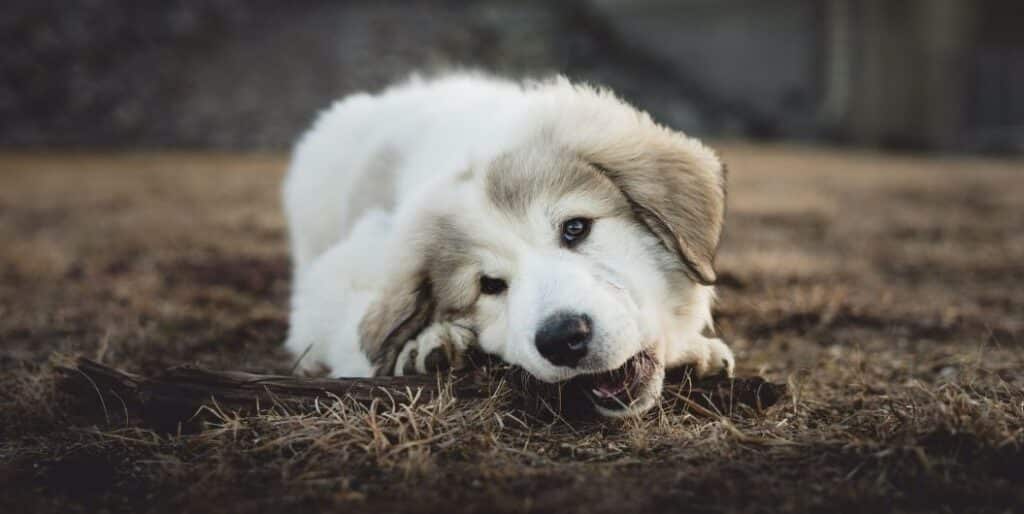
(175, 398)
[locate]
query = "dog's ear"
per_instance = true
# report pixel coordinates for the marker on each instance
(677, 189)
(431, 282)
(399, 314)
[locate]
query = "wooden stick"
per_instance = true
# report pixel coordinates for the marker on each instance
(167, 400)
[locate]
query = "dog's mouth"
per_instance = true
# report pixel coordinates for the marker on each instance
(619, 389)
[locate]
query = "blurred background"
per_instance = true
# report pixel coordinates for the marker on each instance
(927, 75)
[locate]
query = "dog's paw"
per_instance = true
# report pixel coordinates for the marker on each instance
(707, 356)
(720, 358)
(440, 347)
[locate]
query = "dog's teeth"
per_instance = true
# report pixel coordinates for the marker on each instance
(608, 391)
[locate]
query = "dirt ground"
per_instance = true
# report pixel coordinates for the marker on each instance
(886, 290)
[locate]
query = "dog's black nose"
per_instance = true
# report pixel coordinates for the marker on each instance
(563, 338)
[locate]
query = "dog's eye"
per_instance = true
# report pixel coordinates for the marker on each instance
(492, 286)
(575, 230)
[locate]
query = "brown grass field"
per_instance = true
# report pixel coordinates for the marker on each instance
(886, 290)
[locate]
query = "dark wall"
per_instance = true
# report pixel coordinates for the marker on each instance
(252, 74)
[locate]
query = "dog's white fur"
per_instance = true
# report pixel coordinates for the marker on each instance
(373, 168)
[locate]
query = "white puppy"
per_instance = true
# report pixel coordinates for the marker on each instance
(549, 224)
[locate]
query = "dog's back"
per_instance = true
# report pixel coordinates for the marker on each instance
(374, 152)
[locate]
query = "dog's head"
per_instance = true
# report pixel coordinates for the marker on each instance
(576, 256)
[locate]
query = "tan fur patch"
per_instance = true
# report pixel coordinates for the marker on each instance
(433, 289)
(675, 183)
(667, 188)
(516, 180)
(681, 203)
(401, 312)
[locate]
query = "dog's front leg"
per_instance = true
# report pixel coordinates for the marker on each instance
(439, 347)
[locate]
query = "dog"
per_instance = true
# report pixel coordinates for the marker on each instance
(546, 223)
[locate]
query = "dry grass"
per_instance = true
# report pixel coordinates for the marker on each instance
(885, 290)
